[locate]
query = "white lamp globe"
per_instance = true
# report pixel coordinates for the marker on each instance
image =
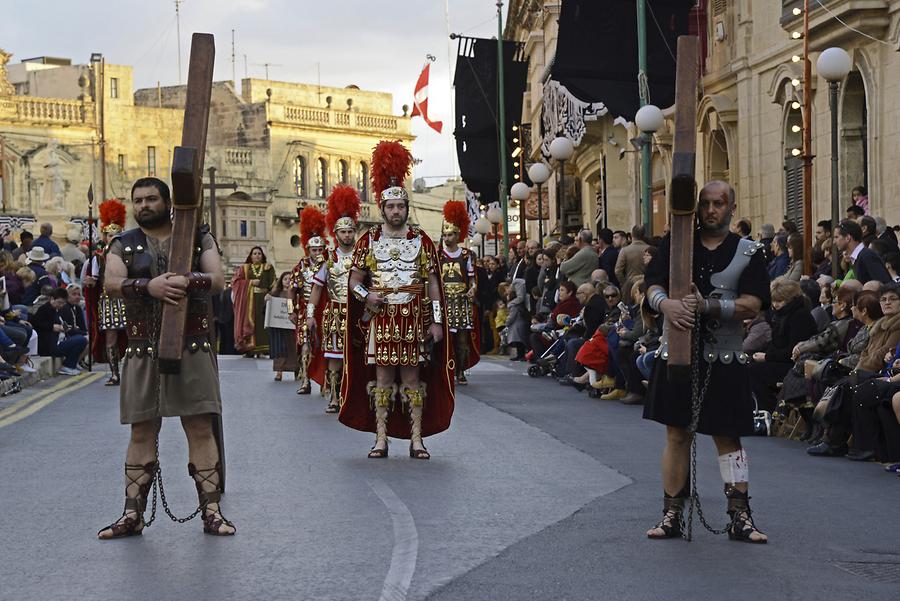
(520, 190)
(495, 215)
(649, 118)
(538, 173)
(834, 64)
(482, 225)
(562, 149)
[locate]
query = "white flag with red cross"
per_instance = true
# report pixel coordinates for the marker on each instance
(420, 100)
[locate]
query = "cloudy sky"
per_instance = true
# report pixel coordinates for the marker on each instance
(375, 44)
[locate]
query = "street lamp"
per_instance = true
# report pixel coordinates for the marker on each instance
(561, 149)
(539, 173)
(495, 216)
(649, 120)
(834, 65)
(482, 226)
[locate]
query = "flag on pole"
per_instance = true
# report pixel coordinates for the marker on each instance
(420, 99)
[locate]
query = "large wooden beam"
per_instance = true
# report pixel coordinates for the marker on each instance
(187, 193)
(683, 198)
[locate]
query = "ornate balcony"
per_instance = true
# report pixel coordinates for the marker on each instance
(869, 16)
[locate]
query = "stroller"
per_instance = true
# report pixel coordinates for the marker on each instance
(555, 352)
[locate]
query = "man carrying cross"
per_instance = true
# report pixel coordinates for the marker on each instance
(731, 285)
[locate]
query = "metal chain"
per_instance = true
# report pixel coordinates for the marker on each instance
(158, 482)
(698, 394)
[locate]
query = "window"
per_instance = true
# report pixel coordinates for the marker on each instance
(362, 181)
(262, 230)
(300, 176)
(120, 164)
(243, 228)
(253, 229)
(321, 177)
(345, 172)
(151, 161)
(234, 226)
(113, 87)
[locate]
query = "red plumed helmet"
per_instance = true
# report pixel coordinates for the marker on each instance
(391, 162)
(112, 216)
(312, 225)
(342, 202)
(457, 215)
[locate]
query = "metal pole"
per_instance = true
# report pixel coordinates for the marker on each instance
(644, 90)
(605, 199)
(212, 200)
(90, 262)
(103, 128)
(501, 110)
(496, 241)
(561, 198)
(2, 176)
(807, 146)
(540, 217)
(835, 200)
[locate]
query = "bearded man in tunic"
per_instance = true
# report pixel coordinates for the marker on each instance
(137, 270)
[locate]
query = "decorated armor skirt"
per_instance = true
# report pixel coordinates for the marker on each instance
(459, 311)
(334, 324)
(111, 313)
(397, 334)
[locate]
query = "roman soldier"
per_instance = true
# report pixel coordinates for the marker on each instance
(397, 370)
(107, 314)
(343, 213)
(459, 281)
(303, 278)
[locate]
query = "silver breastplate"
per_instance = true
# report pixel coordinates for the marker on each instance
(396, 265)
(338, 276)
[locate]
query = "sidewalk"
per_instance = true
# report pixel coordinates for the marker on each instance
(46, 368)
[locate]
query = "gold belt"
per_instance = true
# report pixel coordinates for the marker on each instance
(454, 288)
(410, 288)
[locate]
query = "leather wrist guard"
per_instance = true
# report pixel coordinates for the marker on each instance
(135, 288)
(199, 284)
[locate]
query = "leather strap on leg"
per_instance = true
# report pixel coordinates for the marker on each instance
(742, 525)
(204, 479)
(112, 357)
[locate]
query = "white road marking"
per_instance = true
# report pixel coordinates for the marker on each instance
(406, 544)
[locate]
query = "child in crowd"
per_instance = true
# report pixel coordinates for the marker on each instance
(283, 343)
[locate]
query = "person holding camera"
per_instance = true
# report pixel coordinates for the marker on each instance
(55, 337)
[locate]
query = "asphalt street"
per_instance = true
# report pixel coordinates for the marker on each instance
(536, 492)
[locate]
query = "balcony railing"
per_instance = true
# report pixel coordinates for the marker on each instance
(50, 110)
(239, 156)
(302, 115)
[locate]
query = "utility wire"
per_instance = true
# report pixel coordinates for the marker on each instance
(838, 19)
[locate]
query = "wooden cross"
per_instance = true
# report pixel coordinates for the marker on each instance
(683, 200)
(187, 193)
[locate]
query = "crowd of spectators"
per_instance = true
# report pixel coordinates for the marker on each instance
(41, 305)
(824, 358)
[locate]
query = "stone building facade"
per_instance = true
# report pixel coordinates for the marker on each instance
(746, 114)
(282, 145)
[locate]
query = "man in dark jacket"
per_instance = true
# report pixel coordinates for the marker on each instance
(46, 242)
(50, 325)
(609, 254)
(866, 263)
(37, 256)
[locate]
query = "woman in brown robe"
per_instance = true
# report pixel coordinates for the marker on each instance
(251, 282)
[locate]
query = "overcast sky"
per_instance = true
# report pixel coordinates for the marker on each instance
(375, 44)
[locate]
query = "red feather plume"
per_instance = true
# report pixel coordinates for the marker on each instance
(342, 202)
(112, 211)
(455, 212)
(312, 223)
(390, 160)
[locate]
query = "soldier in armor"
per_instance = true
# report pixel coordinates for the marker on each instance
(398, 379)
(333, 277)
(303, 278)
(137, 270)
(107, 312)
(458, 278)
(731, 283)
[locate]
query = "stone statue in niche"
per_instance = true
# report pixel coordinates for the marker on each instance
(54, 193)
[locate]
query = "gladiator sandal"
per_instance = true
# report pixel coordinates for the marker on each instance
(382, 399)
(334, 390)
(305, 386)
(112, 356)
(462, 357)
(132, 521)
(742, 526)
(415, 400)
(672, 523)
(213, 520)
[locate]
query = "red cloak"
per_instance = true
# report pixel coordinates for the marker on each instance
(437, 375)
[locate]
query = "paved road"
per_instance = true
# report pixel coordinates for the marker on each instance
(536, 492)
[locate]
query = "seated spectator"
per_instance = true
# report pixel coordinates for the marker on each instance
(626, 353)
(758, 334)
(26, 240)
(578, 268)
(814, 294)
(13, 285)
(778, 266)
(46, 242)
(13, 357)
(892, 264)
(821, 264)
(599, 280)
(37, 257)
(795, 257)
(53, 333)
(568, 306)
(55, 267)
(791, 323)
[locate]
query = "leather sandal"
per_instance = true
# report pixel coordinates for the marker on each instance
(419, 453)
(742, 526)
(376, 453)
(112, 381)
(332, 408)
(672, 523)
(133, 525)
(213, 519)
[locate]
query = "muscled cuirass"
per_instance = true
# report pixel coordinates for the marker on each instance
(308, 270)
(397, 264)
(454, 273)
(339, 275)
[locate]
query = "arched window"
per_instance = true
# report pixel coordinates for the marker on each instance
(362, 181)
(321, 177)
(345, 172)
(300, 176)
